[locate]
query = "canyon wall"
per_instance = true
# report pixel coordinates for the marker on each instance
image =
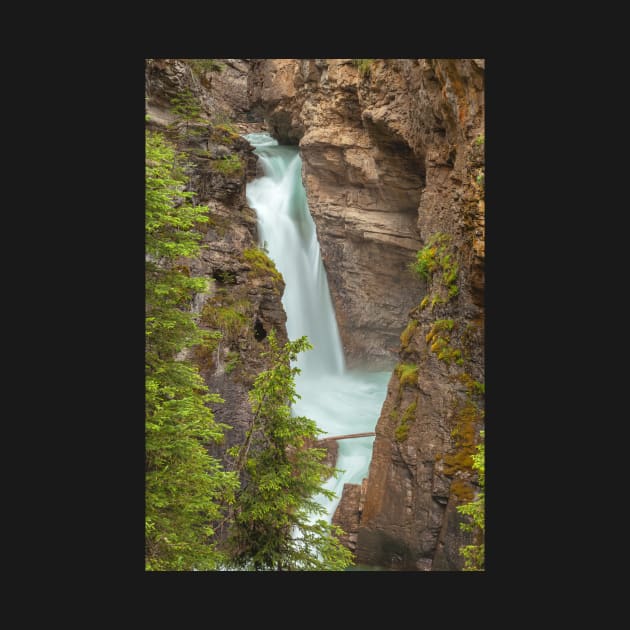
(243, 301)
(393, 161)
(363, 182)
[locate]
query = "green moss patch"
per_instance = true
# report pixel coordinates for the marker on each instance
(363, 65)
(228, 165)
(434, 258)
(261, 264)
(225, 134)
(462, 490)
(466, 420)
(439, 339)
(473, 387)
(439, 325)
(407, 334)
(402, 430)
(407, 373)
(229, 315)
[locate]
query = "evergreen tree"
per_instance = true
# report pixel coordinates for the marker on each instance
(474, 555)
(186, 108)
(201, 66)
(273, 528)
(184, 485)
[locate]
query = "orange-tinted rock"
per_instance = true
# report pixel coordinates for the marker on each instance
(391, 159)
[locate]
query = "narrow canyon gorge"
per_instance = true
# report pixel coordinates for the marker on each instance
(392, 159)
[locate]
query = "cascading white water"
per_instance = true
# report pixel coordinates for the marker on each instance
(340, 401)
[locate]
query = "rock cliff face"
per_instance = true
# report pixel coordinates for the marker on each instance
(243, 300)
(349, 512)
(393, 162)
(363, 182)
(221, 93)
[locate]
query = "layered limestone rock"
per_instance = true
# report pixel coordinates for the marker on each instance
(221, 92)
(421, 467)
(393, 162)
(363, 182)
(243, 301)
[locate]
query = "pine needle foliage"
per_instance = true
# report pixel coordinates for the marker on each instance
(184, 486)
(474, 555)
(275, 524)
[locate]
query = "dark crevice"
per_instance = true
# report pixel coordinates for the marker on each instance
(393, 156)
(259, 331)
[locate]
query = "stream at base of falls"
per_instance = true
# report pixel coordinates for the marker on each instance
(341, 401)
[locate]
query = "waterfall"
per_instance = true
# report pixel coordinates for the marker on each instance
(341, 401)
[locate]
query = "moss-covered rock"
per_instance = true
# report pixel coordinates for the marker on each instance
(261, 264)
(402, 430)
(407, 374)
(407, 334)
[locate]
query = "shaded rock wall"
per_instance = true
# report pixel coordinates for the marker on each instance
(221, 94)
(244, 298)
(393, 161)
(420, 474)
(363, 182)
(349, 511)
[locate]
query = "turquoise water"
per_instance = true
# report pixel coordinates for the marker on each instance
(341, 401)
